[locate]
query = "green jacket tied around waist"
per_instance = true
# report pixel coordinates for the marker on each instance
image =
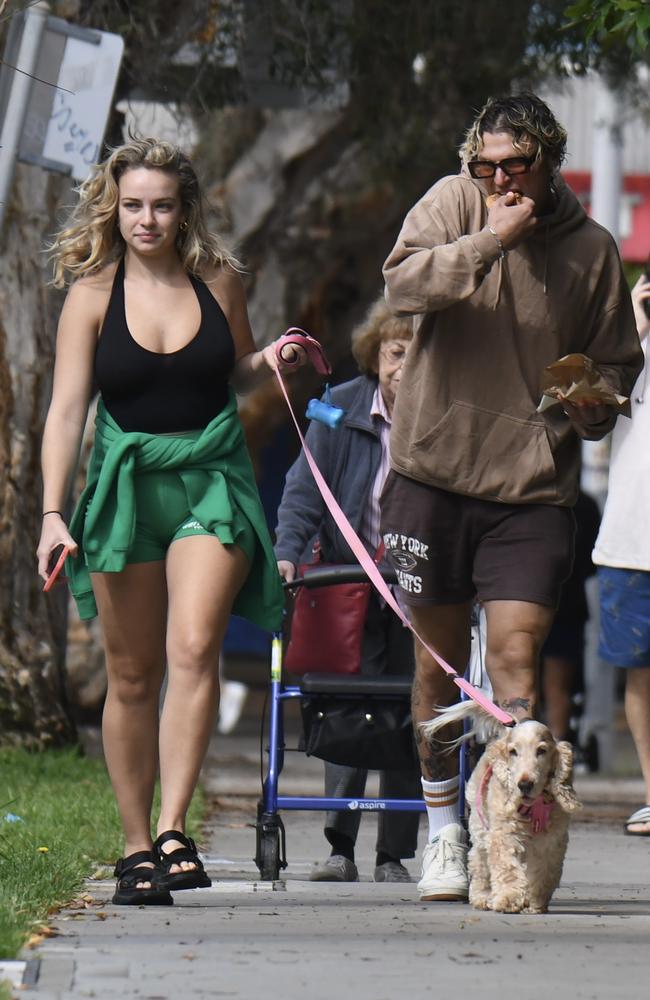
(216, 472)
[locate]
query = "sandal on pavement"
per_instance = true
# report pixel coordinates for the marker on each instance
(129, 871)
(194, 878)
(642, 815)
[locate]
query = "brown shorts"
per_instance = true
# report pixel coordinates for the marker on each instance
(448, 548)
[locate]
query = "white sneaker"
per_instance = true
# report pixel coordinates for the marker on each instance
(444, 866)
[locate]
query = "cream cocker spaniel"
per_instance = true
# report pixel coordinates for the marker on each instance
(520, 796)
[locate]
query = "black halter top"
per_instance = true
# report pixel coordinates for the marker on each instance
(161, 393)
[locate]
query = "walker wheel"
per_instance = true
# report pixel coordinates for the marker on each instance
(269, 860)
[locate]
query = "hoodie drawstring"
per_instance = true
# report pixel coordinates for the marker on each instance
(500, 276)
(499, 283)
(546, 245)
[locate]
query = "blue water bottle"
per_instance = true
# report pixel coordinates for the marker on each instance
(324, 410)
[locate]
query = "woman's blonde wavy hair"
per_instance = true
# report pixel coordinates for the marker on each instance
(91, 238)
(527, 119)
(378, 326)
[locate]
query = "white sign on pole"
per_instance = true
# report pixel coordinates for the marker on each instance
(81, 106)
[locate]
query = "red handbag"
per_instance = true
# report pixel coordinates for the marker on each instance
(327, 625)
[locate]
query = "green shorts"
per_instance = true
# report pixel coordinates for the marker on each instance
(162, 516)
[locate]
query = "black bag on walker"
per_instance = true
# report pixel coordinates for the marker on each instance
(363, 722)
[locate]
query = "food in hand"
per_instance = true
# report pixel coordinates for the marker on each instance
(491, 198)
(575, 378)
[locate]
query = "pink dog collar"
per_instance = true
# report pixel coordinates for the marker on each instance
(538, 813)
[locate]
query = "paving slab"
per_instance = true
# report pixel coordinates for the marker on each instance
(293, 938)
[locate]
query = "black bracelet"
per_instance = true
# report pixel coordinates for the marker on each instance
(46, 512)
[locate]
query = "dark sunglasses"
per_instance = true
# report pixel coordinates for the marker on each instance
(510, 166)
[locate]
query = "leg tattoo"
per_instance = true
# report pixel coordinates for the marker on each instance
(435, 759)
(519, 707)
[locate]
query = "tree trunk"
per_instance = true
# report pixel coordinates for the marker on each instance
(33, 708)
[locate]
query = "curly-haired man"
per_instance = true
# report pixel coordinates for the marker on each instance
(504, 273)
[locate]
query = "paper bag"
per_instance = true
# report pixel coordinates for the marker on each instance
(578, 379)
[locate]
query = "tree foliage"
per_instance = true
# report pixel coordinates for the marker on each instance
(609, 24)
(405, 68)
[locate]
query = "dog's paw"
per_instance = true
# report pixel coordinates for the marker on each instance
(535, 909)
(479, 900)
(508, 902)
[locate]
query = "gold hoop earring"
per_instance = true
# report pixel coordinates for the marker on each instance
(183, 226)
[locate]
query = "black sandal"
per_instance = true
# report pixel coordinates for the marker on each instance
(129, 871)
(195, 878)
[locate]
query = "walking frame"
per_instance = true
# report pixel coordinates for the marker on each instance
(270, 854)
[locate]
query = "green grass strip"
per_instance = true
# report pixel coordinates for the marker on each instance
(68, 826)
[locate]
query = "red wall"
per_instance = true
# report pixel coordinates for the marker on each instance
(635, 248)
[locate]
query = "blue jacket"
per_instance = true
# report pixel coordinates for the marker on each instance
(348, 458)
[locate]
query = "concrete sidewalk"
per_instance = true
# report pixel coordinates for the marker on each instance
(290, 939)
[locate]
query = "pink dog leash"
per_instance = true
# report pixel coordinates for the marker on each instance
(355, 543)
(482, 788)
(298, 338)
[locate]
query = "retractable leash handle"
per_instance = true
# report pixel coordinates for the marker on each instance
(374, 574)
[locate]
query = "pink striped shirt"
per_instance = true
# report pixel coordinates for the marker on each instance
(369, 529)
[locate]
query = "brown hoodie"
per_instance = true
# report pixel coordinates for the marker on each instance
(465, 417)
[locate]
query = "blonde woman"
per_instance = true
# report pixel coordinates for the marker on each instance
(168, 535)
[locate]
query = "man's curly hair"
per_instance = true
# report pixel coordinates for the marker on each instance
(531, 123)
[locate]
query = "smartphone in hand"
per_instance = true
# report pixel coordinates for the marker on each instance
(57, 559)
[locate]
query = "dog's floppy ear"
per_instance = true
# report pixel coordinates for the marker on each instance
(496, 754)
(560, 786)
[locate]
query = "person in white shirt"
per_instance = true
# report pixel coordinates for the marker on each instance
(622, 554)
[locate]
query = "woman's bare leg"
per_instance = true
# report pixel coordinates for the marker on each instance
(132, 609)
(203, 578)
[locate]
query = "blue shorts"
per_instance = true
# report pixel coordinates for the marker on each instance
(624, 617)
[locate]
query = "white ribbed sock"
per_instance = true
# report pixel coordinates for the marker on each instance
(441, 798)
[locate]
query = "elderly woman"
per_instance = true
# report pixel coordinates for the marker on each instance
(354, 461)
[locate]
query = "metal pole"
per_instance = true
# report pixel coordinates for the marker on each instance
(35, 19)
(607, 169)
(606, 187)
